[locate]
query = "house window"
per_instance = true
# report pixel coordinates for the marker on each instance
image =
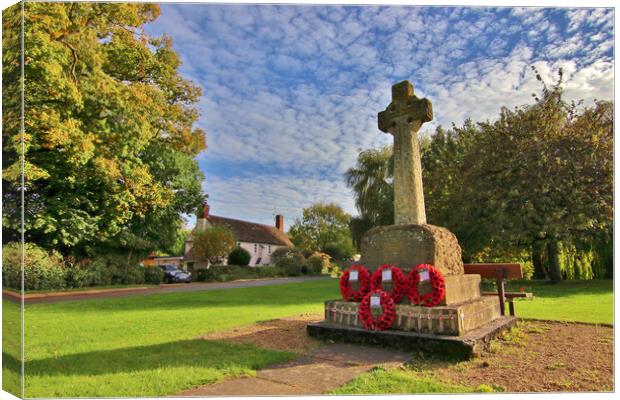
(269, 249)
(238, 244)
(255, 248)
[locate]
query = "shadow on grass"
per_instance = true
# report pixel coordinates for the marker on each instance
(196, 353)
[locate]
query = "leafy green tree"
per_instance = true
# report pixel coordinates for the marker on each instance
(110, 143)
(239, 256)
(371, 181)
(214, 243)
(547, 171)
(322, 225)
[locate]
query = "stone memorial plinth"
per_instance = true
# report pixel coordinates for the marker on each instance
(407, 246)
(453, 320)
(463, 317)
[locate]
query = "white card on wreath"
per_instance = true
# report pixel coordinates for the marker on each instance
(424, 275)
(386, 275)
(353, 275)
(375, 301)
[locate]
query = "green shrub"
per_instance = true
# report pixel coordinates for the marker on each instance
(239, 256)
(285, 252)
(290, 260)
(112, 269)
(317, 263)
(42, 270)
(292, 266)
(269, 271)
(133, 274)
(77, 275)
(153, 275)
(204, 275)
(101, 272)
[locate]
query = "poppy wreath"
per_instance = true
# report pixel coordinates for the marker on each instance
(363, 276)
(399, 286)
(438, 284)
(385, 319)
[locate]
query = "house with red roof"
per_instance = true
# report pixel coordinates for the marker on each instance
(258, 239)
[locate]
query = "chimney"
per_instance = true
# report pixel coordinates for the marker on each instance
(205, 210)
(280, 222)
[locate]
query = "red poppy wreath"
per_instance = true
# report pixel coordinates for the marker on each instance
(438, 285)
(399, 282)
(363, 277)
(382, 321)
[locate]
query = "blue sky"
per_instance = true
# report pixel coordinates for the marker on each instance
(291, 93)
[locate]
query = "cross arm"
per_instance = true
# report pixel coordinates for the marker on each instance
(413, 109)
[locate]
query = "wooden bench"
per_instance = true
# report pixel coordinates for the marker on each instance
(500, 272)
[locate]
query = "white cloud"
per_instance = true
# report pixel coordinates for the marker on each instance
(298, 88)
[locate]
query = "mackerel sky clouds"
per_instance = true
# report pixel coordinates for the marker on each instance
(291, 93)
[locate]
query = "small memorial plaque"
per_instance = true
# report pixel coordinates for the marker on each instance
(353, 275)
(386, 275)
(375, 301)
(424, 275)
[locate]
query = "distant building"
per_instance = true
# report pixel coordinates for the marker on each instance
(258, 239)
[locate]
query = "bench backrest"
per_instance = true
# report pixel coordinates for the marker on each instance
(509, 271)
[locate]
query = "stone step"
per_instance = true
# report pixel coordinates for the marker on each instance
(454, 320)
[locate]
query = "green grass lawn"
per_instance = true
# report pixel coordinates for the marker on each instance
(578, 301)
(148, 345)
(402, 382)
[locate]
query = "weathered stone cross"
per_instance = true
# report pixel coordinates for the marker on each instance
(403, 119)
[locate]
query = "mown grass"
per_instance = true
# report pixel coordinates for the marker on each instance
(402, 382)
(148, 345)
(576, 301)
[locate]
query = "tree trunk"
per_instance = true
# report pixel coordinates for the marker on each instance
(540, 271)
(554, 260)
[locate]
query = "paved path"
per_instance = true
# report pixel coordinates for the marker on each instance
(320, 371)
(35, 298)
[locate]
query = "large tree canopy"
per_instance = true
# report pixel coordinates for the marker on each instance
(109, 136)
(323, 227)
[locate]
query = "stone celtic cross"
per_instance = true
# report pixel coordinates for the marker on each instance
(403, 119)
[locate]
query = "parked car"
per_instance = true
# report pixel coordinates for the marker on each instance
(172, 274)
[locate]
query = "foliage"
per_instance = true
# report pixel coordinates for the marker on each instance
(42, 270)
(285, 252)
(318, 263)
(77, 274)
(114, 269)
(110, 145)
(289, 259)
(292, 266)
(225, 273)
(153, 275)
(239, 256)
(323, 225)
(214, 243)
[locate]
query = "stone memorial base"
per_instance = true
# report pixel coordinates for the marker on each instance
(454, 320)
(407, 246)
(468, 345)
